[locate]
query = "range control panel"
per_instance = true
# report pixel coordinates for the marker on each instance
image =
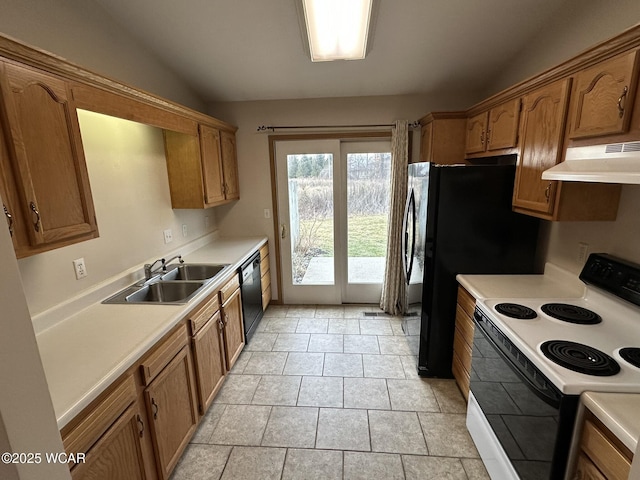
(617, 276)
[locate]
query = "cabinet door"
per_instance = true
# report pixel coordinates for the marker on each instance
(171, 407)
(211, 164)
(231, 312)
(502, 131)
(230, 165)
(50, 163)
(209, 361)
(543, 121)
(426, 139)
(586, 470)
(118, 453)
(604, 97)
(476, 130)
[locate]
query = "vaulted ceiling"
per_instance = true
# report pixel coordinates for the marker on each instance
(235, 50)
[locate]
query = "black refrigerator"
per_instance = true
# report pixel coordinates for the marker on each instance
(458, 219)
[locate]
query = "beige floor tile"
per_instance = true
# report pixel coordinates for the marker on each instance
(382, 366)
(370, 466)
(254, 463)
(201, 462)
(410, 365)
(312, 325)
(412, 395)
(277, 390)
(238, 389)
(291, 342)
(291, 427)
(367, 393)
(241, 363)
(330, 311)
(261, 342)
(312, 465)
(343, 429)
(266, 363)
(448, 395)
(323, 342)
(475, 469)
(208, 423)
(321, 392)
(396, 432)
(447, 435)
(433, 468)
(342, 365)
(361, 344)
(396, 345)
(344, 326)
(281, 325)
(304, 363)
(305, 311)
(374, 326)
(241, 425)
(276, 311)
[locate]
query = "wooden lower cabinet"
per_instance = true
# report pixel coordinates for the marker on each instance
(172, 409)
(233, 333)
(265, 276)
(209, 361)
(463, 340)
(118, 454)
(601, 455)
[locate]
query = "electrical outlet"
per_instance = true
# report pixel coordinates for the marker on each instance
(267, 213)
(168, 236)
(80, 268)
(185, 232)
(583, 252)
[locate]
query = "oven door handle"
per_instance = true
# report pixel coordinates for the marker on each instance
(552, 398)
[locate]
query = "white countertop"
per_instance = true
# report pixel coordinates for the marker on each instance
(619, 412)
(86, 352)
(554, 283)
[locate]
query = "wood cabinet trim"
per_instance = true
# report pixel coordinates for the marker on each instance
(599, 445)
(227, 290)
(162, 355)
(201, 314)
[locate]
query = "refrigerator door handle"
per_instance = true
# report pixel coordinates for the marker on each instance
(407, 257)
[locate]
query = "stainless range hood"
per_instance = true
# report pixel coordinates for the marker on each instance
(606, 163)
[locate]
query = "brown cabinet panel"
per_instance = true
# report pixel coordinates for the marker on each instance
(442, 137)
(230, 166)
(502, 130)
(118, 454)
(597, 443)
(586, 470)
(209, 361)
(172, 409)
(476, 131)
(604, 96)
(231, 312)
(541, 132)
(49, 168)
(426, 142)
(211, 164)
(463, 340)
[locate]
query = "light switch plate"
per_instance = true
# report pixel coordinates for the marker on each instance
(185, 231)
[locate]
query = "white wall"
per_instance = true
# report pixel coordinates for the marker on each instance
(80, 31)
(130, 187)
(576, 26)
(253, 149)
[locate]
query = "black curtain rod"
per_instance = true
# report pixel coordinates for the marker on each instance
(263, 128)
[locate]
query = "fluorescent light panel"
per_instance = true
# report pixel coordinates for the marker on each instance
(337, 29)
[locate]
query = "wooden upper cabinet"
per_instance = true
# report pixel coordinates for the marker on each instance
(230, 165)
(50, 178)
(476, 131)
(496, 129)
(604, 96)
(202, 169)
(541, 133)
(442, 137)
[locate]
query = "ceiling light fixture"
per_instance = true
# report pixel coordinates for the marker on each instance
(337, 29)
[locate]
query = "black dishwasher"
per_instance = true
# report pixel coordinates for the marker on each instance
(251, 289)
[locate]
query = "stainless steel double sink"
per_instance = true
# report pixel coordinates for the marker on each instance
(175, 286)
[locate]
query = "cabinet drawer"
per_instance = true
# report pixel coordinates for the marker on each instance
(264, 265)
(100, 418)
(265, 281)
(162, 355)
(464, 324)
(264, 251)
(462, 350)
(461, 376)
(204, 312)
(466, 301)
(266, 297)
(228, 288)
(604, 454)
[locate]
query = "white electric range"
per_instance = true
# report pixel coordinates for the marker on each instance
(527, 373)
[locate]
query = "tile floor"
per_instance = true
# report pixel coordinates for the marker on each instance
(329, 393)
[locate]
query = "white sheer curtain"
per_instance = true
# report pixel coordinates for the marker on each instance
(394, 291)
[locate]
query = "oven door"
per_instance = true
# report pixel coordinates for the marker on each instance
(524, 412)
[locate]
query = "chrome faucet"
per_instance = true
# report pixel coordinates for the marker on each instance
(177, 257)
(148, 268)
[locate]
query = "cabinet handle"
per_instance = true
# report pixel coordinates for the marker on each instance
(34, 209)
(488, 137)
(221, 323)
(547, 192)
(141, 423)
(9, 219)
(621, 101)
(155, 414)
(482, 137)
